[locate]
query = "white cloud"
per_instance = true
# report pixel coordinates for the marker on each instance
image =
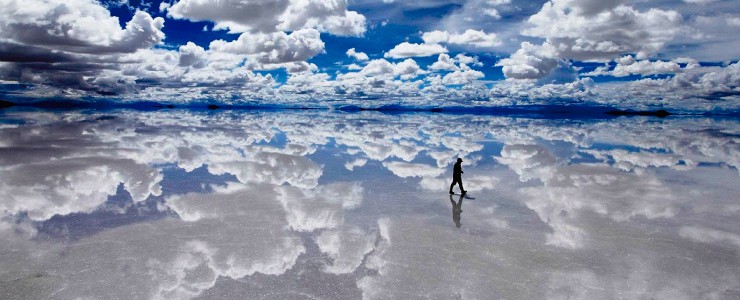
(407, 69)
(354, 67)
(72, 45)
(406, 49)
(52, 48)
(475, 38)
(192, 55)
(277, 47)
(462, 77)
(460, 62)
(518, 92)
(377, 67)
(530, 61)
(584, 30)
(359, 56)
(273, 15)
(492, 12)
(444, 62)
(164, 6)
(646, 67)
(628, 65)
(465, 60)
(710, 36)
(733, 21)
(81, 26)
(470, 38)
(693, 88)
(380, 72)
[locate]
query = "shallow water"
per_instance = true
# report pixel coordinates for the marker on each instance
(331, 205)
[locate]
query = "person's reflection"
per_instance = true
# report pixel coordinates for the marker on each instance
(456, 210)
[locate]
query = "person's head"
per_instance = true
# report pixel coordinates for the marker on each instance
(459, 160)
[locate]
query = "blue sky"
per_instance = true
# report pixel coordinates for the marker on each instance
(675, 54)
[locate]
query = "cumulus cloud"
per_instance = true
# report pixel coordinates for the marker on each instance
(272, 16)
(530, 61)
(407, 69)
(628, 65)
(277, 47)
(407, 49)
(460, 62)
(470, 38)
(359, 56)
(646, 67)
(698, 88)
(78, 49)
(485, 14)
(192, 55)
(583, 30)
(71, 44)
(444, 63)
(462, 77)
(492, 12)
(525, 92)
(80, 26)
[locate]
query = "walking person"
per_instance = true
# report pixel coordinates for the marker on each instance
(457, 177)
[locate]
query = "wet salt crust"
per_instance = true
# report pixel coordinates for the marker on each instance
(281, 204)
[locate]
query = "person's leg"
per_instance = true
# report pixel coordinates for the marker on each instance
(459, 181)
(454, 180)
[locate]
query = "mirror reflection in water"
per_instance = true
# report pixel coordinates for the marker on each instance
(181, 204)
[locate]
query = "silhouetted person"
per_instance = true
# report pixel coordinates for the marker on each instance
(456, 210)
(457, 176)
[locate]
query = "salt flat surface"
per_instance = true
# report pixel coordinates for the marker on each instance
(330, 205)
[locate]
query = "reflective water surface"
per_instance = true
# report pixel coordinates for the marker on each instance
(331, 205)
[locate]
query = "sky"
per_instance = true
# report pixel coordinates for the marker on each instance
(632, 54)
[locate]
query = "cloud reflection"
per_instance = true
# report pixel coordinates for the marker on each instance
(569, 209)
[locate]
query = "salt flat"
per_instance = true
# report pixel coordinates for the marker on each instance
(333, 205)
